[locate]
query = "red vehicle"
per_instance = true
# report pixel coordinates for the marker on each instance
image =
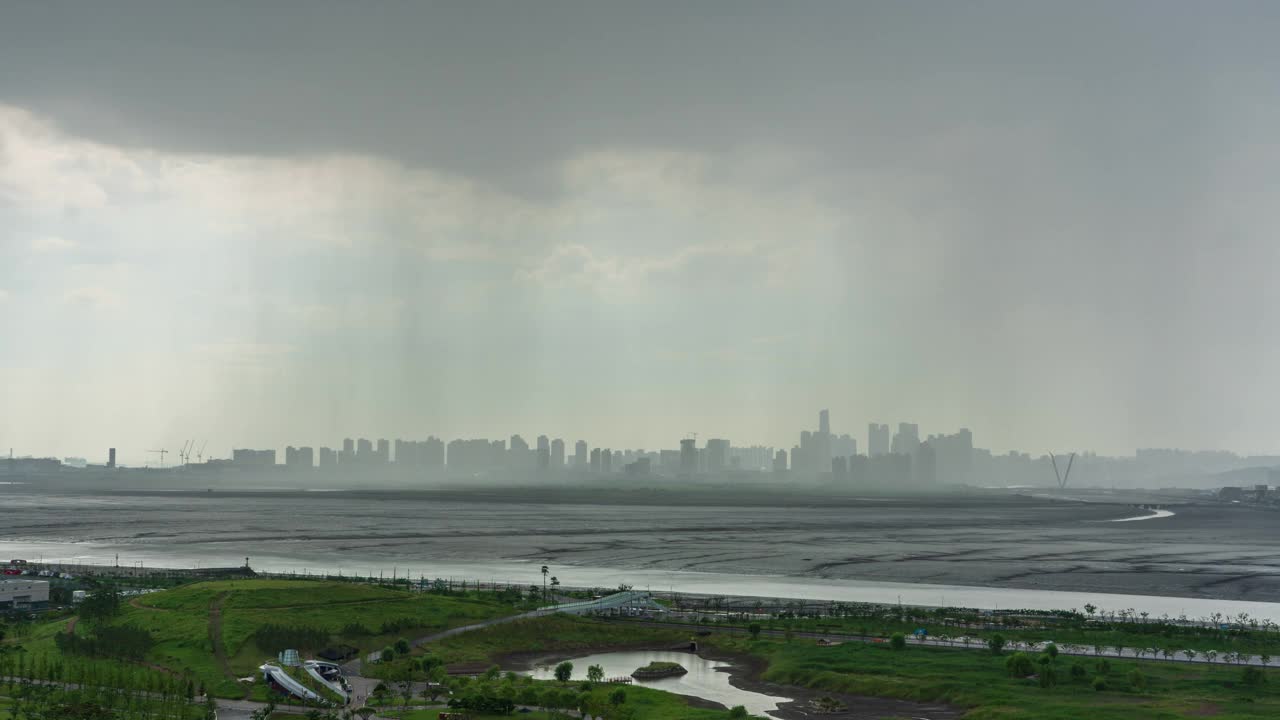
(12, 571)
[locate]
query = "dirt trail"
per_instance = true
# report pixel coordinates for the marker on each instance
(215, 636)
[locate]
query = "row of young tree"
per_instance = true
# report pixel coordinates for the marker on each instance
(107, 641)
(42, 701)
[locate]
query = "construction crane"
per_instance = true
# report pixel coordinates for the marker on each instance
(162, 454)
(200, 452)
(1062, 477)
(183, 453)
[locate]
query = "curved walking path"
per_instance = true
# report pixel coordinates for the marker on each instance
(215, 637)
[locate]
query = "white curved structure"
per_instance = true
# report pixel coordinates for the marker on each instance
(275, 674)
(315, 668)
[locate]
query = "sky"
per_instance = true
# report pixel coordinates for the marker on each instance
(288, 223)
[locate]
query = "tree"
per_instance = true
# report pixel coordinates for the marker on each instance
(595, 674)
(1191, 654)
(1137, 680)
(1048, 674)
(365, 712)
(545, 570)
(1265, 659)
(898, 641)
(564, 671)
(754, 630)
(738, 711)
(996, 644)
(1090, 608)
(387, 655)
(402, 646)
(617, 697)
(492, 673)
(1051, 650)
(406, 690)
(263, 713)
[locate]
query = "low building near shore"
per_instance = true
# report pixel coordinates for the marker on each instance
(20, 593)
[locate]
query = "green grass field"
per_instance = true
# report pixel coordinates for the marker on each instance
(181, 621)
(978, 680)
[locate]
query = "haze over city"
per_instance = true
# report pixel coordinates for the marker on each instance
(726, 360)
(1051, 224)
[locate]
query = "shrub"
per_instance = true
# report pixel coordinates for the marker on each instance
(402, 646)
(1104, 667)
(1052, 651)
(1137, 680)
(1019, 665)
(898, 641)
(1078, 671)
(1254, 676)
(754, 629)
(738, 711)
(1099, 684)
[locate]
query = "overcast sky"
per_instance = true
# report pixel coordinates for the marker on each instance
(286, 223)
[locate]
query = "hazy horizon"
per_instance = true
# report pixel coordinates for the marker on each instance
(295, 223)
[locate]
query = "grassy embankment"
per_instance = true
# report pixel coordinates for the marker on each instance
(1148, 635)
(550, 636)
(971, 679)
(978, 680)
(207, 630)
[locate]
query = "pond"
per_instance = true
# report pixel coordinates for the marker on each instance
(704, 679)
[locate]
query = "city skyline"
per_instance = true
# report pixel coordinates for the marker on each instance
(814, 451)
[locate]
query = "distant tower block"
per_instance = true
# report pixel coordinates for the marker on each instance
(111, 457)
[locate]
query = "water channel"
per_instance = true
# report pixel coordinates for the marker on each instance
(706, 679)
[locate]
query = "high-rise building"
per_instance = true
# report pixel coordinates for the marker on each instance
(877, 439)
(843, 446)
(689, 455)
(840, 467)
(557, 453)
(328, 457)
(606, 461)
(253, 458)
(906, 440)
(924, 464)
(544, 452)
(717, 455)
(384, 452)
(580, 454)
(111, 457)
(595, 460)
(302, 458)
(824, 422)
(780, 461)
(364, 451)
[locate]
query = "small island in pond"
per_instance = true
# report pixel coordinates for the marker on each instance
(657, 669)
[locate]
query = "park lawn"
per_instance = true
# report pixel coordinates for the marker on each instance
(1133, 635)
(435, 713)
(551, 634)
(178, 619)
(977, 680)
